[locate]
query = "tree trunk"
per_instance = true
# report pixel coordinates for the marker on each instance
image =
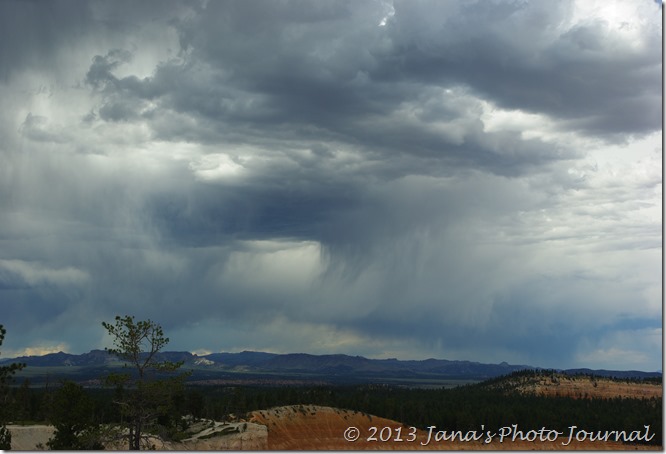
(130, 438)
(136, 442)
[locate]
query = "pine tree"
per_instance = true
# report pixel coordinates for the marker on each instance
(144, 395)
(71, 411)
(6, 373)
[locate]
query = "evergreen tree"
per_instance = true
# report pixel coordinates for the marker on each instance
(71, 413)
(144, 396)
(6, 373)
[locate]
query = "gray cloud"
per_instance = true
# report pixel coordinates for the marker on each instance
(583, 74)
(414, 179)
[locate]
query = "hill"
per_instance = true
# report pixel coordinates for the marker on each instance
(295, 368)
(310, 427)
(553, 384)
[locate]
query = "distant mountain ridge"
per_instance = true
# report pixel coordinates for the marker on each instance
(334, 366)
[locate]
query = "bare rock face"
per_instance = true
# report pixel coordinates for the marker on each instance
(28, 438)
(221, 437)
(210, 435)
(315, 428)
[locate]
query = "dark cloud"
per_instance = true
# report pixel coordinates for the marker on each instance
(32, 33)
(466, 180)
(582, 74)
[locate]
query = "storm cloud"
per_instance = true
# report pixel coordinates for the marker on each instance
(412, 179)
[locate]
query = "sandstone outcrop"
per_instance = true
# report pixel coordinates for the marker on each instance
(315, 428)
(206, 436)
(29, 438)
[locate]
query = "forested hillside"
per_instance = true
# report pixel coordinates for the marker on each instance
(493, 404)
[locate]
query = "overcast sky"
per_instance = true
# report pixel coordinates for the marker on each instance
(450, 179)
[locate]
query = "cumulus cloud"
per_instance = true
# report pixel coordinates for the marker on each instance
(31, 274)
(463, 180)
(38, 351)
